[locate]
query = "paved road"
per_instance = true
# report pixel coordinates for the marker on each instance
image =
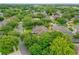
(22, 46)
(22, 49)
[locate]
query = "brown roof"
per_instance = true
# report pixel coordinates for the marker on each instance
(39, 29)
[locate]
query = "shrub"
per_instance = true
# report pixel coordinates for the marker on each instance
(27, 22)
(76, 36)
(1, 18)
(9, 26)
(7, 43)
(76, 21)
(61, 21)
(35, 49)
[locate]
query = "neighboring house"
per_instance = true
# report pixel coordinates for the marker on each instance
(70, 24)
(39, 29)
(76, 30)
(61, 29)
(55, 15)
(37, 13)
(34, 14)
(44, 13)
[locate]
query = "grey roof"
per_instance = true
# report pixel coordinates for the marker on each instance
(61, 29)
(39, 29)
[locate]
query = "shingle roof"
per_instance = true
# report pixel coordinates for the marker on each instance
(39, 29)
(61, 29)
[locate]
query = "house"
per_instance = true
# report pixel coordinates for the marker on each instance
(44, 13)
(76, 29)
(61, 29)
(39, 29)
(55, 15)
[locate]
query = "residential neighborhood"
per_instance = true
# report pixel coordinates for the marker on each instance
(27, 29)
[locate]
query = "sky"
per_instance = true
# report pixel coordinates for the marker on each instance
(40, 1)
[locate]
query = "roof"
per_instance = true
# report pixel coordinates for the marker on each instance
(39, 29)
(61, 29)
(55, 15)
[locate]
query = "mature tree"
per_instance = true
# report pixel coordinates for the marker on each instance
(35, 49)
(60, 46)
(1, 18)
(7, 43)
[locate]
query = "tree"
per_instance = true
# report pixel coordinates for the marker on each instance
(45, 40)
(61, 21)
(1, 18)
(7, 43)
(27, 22)
(35, 49)
(29, 39)
(46, 51)
(76, 21)
(60, 46)
(76, 36)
